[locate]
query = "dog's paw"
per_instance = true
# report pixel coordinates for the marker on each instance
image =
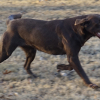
(94, 86)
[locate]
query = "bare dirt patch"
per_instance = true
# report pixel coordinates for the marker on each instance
(49, 86)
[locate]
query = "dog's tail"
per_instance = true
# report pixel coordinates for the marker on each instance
(12, 17)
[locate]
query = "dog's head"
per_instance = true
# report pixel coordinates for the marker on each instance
(91, 24)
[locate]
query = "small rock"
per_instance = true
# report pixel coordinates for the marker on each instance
(16, 94)
(63, 74)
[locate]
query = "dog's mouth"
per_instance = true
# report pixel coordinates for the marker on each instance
(98, 34)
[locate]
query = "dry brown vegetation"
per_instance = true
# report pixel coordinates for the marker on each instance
(15, 85)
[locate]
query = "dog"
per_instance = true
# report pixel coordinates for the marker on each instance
(55, 37)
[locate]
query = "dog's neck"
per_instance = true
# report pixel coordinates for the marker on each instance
(87, 35)
(80, 33)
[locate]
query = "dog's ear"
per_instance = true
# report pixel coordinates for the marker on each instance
(81, 21)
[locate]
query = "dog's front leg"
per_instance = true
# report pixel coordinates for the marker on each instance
(74, 61)
(72, 50)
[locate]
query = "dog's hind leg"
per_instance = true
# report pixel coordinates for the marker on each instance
(30, 55)
(7, 46)
(64, 67)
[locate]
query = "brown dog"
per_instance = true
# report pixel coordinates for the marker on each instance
(55, 37)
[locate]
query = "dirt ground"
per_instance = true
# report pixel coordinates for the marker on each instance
(49, 85)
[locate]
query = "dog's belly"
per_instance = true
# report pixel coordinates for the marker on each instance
(50, 46)
(51, 50)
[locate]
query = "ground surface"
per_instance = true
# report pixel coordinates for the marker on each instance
(49, 86)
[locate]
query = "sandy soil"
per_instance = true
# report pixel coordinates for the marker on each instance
(49, 86)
